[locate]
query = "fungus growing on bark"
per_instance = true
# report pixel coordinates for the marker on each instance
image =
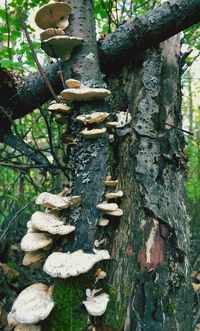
(94, 118)
(99, 274)
(84, 93)
(60, 46)
(35, 241)
(96, 305)
(49, 33)
(111, 125)
(103, 222)
(33, 257)
(50, 223)
(114, 195)
(59, 107)
(118, 212)
(50, 200)
(28, 327)
(111, 183)
(73, 83)
(12, 322)
(66, 265)
(92, 134)
(33, 304)
(107, 207)
(53, 15)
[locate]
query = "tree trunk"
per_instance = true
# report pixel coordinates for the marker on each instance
(151, 242)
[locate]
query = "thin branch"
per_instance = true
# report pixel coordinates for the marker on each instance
(8, 27)
(24, 166)
(18, 213)
(189, 133)
(41, 70)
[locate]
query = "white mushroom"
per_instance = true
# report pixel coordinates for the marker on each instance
(34, 241)
(59, 107)
(66, 265)
(96, 305)
(84, 93)
(33, 304)
(12, 322)
(28, 327)
(33, 257)
(114, 195)
(117, 213)
(53, 15)
(105, 206)
(103, 222)
(111, 183)
(73, 83)
(50, 200)
(92, 134)
(60, 46)
(94, 118)
(50, 223)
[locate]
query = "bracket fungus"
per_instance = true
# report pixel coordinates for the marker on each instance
(103, 222)
(33, 304)
(96, 305)
(114, 195)
(84, 93)
(50, 200)
(118, 212)
(93, 134)
(49, 33)
(107, 207)
(50, 223)
(35, 241)
(66, 265)
(94, 118)
(53, 15)
(111, 183)
(73, 83)
(28, 327)
(33, 257)
(60, 46)
(59, 107)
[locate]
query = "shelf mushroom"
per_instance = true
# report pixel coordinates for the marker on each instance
(33, 304)
(60, 46)
(92, 134)
(96, 304)
(73, 83)
(53, 15)
(35, 241)
(28, 327)
(33, 257)
(94, 118)
(66, 265)
(107, 207)
(114, 195)
(109, 182)
(59, 107)
(49, 33)
(84, 93)
(50, 200)
(50, 223)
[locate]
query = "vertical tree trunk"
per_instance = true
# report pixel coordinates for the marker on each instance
(150, 274)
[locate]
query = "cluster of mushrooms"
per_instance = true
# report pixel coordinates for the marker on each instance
(35, 302)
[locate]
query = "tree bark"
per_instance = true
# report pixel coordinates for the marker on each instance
(126, 42)
(151, 242)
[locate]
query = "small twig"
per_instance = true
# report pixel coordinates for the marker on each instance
(35, 57)
(196, 318)
(15, 218)
(190, 133)
(190, 64)
(8, 27)
(24, 166)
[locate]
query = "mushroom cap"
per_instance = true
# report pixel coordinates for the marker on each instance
(28, 327)
(75, 200)
(111, 183)
(92, 134)
(66, 265)
(33, 257)
(50, 200)
(12, 322)
(96, 305)
(34, 241)
(50, 223)
(111, 125)
(118, 212)
(103, 222)
(94, 118)
(60, 46)
(84, 93)
(50, 32)
(59, 107)
(73, 83)
(53, 15)
(105, 206)
(33, 304)
(114, 195)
